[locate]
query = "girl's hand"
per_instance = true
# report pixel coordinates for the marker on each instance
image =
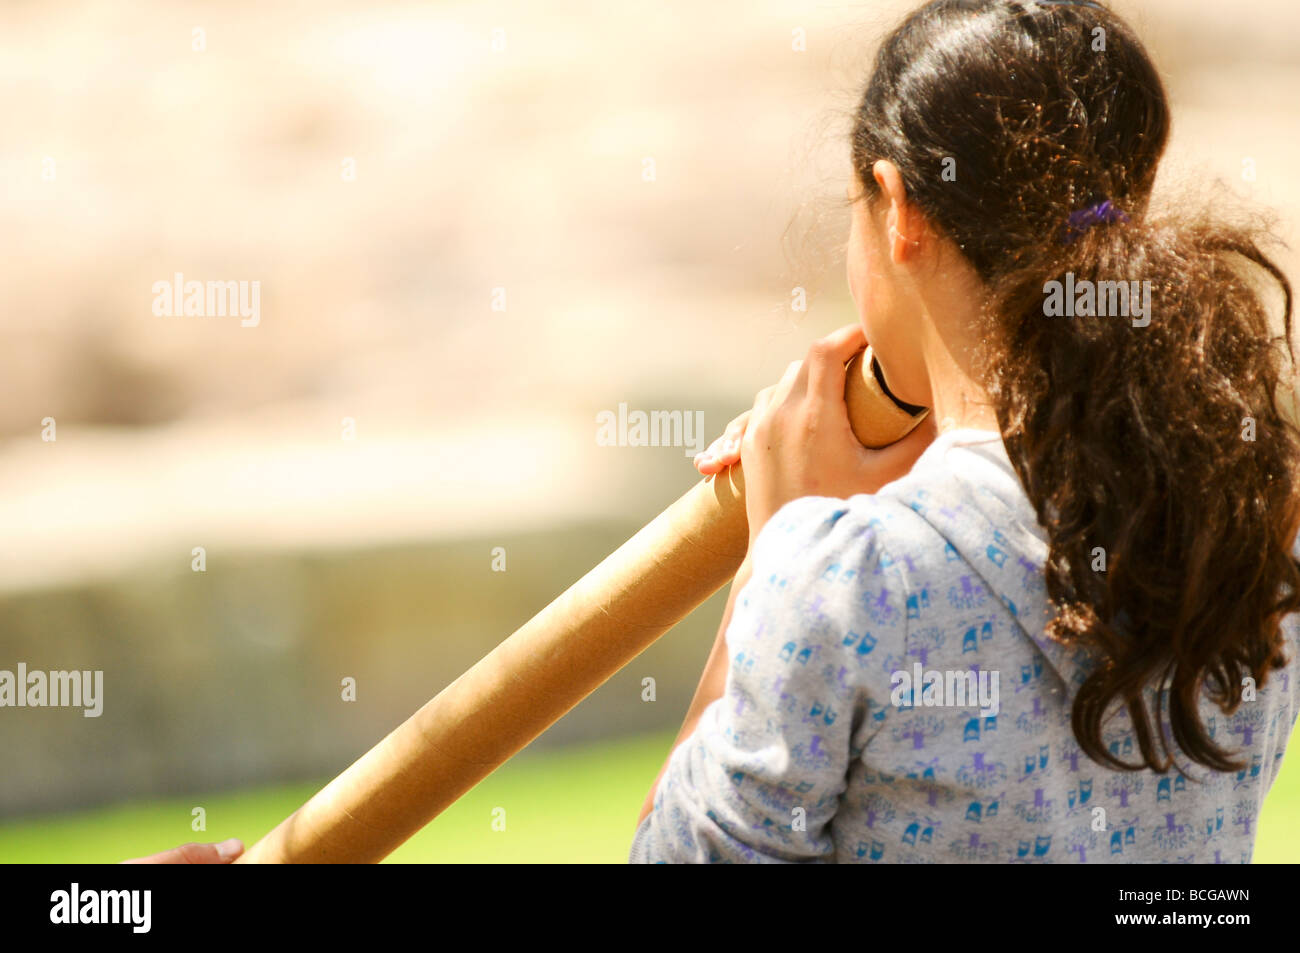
(224, 853)
(797, 440)
(724, 451)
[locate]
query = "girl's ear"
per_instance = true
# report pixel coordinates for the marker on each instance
(901, 217)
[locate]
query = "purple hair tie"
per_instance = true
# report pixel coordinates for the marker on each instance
(1103, 213)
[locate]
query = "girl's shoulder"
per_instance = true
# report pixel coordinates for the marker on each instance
(843, 556)
(824, 531)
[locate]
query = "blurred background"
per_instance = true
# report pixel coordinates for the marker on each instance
(474, 227)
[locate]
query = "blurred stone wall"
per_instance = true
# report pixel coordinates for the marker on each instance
(233, 676)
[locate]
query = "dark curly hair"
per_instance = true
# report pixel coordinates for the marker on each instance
(1163, 445)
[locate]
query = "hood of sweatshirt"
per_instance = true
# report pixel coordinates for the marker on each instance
(965, 488)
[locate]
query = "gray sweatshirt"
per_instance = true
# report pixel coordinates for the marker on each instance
(892, 698)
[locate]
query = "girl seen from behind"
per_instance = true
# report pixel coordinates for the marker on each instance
(1056, 622)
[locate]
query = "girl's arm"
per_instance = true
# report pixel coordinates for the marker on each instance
(783, 743)
(712, 683)
(856, 470)
(760, 778)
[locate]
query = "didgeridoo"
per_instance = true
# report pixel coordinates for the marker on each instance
(558, 658)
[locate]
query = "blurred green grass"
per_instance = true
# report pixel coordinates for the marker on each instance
(576, 804)
(569, 805)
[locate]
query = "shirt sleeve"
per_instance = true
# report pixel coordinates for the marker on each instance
(760, 779)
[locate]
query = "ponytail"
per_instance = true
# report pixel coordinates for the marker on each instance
(1151, 442)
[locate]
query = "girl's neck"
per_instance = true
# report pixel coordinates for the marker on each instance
(958, 401)
(950, 315)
